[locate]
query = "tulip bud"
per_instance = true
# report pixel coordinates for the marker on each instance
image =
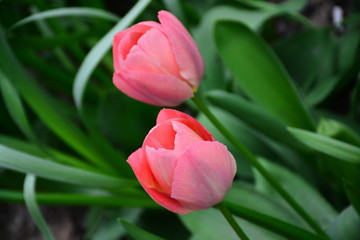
(157, 63)
(181, 166)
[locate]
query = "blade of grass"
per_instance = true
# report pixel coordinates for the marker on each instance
(14, 105)
(30, 201)
(26, 163)
(75, 199)
(99, 50)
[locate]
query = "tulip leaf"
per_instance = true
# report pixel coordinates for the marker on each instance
(303, 192)
(138, 233)
(254, 116)
(65, 12)
(30, 201)
(345, 226)
(338, 149)
(260, 74)
(26, 163)
(247, 196)
(102, 222)
(278, 226)
(100, 49)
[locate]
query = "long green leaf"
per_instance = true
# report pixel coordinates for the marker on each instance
(44, 107)
(66, 12)
(260, 74)
(342, 151)
(44, 152)
(99, 50)
(14, 106)
(30, 201)
(123, 200)
(254, 116)
(138, 233)
(304, 193)
(273, 224)
(26, 163)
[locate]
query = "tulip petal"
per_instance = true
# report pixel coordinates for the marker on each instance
(142, 170)
(162, 163)
(203, 175)
(156, 44)
(184, 136)
(124, 41)
(140, 166)
(161, 136)
(167, 202)
(184, 47)
(152, 88)
(170, 114)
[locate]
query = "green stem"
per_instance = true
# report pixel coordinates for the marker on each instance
(256, 164)
(231, 221)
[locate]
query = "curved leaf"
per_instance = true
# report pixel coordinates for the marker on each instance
(26, 163)
(260, 74)
(338, 149)
(66, 12)
(30, 201)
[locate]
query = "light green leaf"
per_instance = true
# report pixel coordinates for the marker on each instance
(260, 74)
(314, 204)
(26, 163)
(210, 224)
(247, 196)
(338, 130)
(340, 150)
(30, 201)
(99, 50)
(345, 226)
(101, 222)
(137, 233)
(66, 12)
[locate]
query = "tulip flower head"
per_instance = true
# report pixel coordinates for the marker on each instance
(157, 63)
(181, 166)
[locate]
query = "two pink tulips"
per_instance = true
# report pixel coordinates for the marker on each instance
(180, 165)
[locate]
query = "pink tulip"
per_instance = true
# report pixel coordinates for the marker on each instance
(158, 64)
(181, 166)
